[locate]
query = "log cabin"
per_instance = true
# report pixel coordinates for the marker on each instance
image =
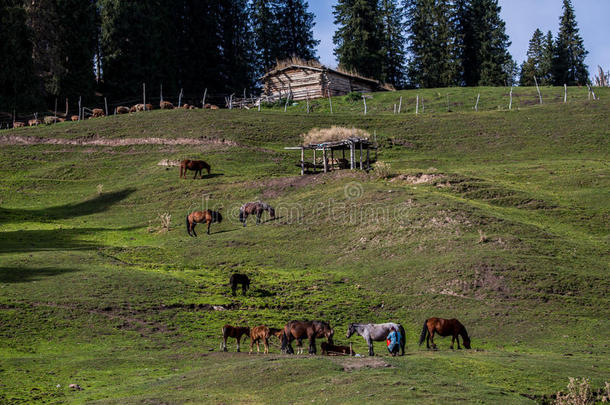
(299, 80)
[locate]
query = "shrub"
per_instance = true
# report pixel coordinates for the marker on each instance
(579, 393)
(353, 97)
(382, 170)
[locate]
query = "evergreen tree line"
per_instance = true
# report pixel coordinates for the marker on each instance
(556, 61)
(440, 43)
(56, 49)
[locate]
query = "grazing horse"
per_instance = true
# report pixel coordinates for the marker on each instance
(252, 208)
(196, 217)
(263, 333)
(332, 350)
(242, 279)
(235, 332)
(376, 332)
(300, 330)
(444, 327)
(122, 109)
(194, 165)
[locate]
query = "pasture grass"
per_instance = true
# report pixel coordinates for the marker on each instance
(92, 294)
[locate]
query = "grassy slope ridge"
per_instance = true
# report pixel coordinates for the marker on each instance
(89, 296)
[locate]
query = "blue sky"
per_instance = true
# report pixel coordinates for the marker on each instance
(522, 17)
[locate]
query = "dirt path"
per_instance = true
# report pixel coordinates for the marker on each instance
(95, 141)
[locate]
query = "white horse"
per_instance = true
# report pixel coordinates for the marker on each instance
(376, 332)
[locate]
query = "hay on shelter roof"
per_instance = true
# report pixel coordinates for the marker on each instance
(333, 134)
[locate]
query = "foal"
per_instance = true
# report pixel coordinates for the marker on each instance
(196, 217)
(235, 332)
(444, 327)
(263, 333)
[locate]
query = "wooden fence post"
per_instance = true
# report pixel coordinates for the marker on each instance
(161, 94)
(417, 105)
(307, 102)
(205, 93)
(106, 105)
(565, 94)
(79, 109)
(330, 101)
(364, 99)
(476, 106)
(302, 160)
(510, 104)
(144, 95)
(180, 99)
(538, 88)
(400, 105)
(66, 116)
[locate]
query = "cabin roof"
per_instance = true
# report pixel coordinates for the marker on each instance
(321, 68)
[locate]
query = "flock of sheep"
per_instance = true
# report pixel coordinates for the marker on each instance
(98, 112)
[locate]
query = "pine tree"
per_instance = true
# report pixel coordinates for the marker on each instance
(546, 64)
(483, 43)
(266, 31)
(359, 38)
(236, 43)
(532, 67)
(18, 84)
(431, 43)
(569, 57)
(392, 15)
(295, 25)
(198, 46)
(138, 45)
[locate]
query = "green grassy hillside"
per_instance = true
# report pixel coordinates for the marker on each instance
(498, 218)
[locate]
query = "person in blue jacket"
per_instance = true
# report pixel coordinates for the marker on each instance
(393, 342)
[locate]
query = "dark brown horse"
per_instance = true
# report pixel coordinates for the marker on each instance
(444, 327)
(197, 217)
(332, 350)
(235, 332)
(300, 330)
(242, 279)
(263, 333)
(194, 165)
(255, 208)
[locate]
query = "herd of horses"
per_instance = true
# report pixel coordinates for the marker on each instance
(311, 330)
(208, 216)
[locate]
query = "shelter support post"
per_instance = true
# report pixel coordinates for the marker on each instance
(325, 160)
(361, 156)
(302, 161)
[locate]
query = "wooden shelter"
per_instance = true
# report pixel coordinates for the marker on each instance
(299, 80)
(356, 147)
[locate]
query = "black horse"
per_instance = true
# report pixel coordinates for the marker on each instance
(242, 279)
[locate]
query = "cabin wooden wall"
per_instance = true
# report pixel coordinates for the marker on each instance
(301, 83)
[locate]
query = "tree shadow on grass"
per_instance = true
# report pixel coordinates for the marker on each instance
(24, 275)
(94, 205)
(52, 239)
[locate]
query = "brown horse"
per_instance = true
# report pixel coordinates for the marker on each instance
(255, 208)
(194, 165)
(300, 330)
(197, 217)
(235, 332)
(332, 350)
(444, 327)
(263, 333)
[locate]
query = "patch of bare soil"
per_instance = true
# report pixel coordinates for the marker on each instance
(419, 178)
(352, 364)
(96, 141)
